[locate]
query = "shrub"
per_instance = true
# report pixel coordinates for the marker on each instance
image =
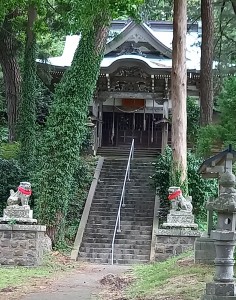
(9, 150)
(11, 175)
(200, 189)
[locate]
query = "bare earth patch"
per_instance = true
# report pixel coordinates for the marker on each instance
(113, 286)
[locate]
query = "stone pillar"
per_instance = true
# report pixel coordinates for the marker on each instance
(100, 124)
(223, 287)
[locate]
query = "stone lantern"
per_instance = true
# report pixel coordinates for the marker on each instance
(223, 286)
(212, 167)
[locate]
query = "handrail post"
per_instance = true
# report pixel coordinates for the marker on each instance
(122, 200)
(118, 230)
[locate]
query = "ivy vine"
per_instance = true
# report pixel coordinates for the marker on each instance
(65, 132)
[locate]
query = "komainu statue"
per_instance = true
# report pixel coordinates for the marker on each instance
(178, 202)
(21, 196)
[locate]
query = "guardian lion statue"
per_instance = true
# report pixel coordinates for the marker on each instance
(22, 195)
(178, 202)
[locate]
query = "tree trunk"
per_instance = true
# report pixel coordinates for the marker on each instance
(234, 5)
(27, 111)
(206, 74)
(65, 131)
(179, 90)
(11, 74)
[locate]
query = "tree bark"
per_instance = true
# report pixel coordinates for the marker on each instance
(234, 5)
(65, 130)
(179, 89)
(11, 73)
(27, 109)
(206, 73)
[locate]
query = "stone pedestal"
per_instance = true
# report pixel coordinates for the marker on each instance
(177, 235)
(18, 214)
(22, 245)
(172, 242)
(180, 219)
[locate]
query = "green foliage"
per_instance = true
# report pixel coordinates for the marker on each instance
(200, 189)
(27, 115)
(193, 120)
(65, 132)
(9, 150)
(224, 131)
(80, 187)
(209, 136)
(11, 175)
(176, 278)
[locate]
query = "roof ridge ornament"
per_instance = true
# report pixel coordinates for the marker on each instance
(130, 49)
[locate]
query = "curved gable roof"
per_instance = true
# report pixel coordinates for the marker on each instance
(138, 30)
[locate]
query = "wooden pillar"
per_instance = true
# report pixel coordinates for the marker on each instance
(165, 126)
(100, 124)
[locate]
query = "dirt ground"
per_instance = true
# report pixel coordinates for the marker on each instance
(83, 283)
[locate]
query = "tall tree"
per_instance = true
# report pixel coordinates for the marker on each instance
(179, 90)
(65, 127)
(206, 73)
(27, 114)
(9, 47)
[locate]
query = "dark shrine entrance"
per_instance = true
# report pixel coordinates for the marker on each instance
(119, 128)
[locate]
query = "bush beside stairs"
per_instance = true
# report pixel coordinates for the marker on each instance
(133, 243)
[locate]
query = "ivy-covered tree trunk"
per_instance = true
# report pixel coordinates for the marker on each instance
(206, 74)
(27, 114)
(179, 91)
(65, 131)
(11, 73)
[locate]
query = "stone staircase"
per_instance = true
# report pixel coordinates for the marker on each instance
(133, 243)
(123, 152)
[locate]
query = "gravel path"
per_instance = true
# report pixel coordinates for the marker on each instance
(81, 285)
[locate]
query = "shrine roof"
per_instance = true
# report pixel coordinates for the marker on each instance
(149, 43)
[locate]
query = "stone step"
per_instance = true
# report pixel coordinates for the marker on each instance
(124, 231)
(117, 246)
(124, 215)
(124, 227)
(116, 251)
(117, 256)
(120, 238)
(108, 216)
(108, 261)
(130, 224)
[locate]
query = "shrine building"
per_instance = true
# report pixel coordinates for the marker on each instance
(133, 95)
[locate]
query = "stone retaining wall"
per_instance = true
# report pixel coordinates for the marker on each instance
(172, 242)
(22, 245)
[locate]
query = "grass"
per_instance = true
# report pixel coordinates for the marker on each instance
(176, 278)
(19, 276)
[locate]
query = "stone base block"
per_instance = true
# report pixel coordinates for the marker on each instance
(22, 245)
(16, 211)
(177, 217)
(204, 251)
(173, 242)
(220, 289)
(214, 297)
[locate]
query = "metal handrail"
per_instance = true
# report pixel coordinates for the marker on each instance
(122, 199)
